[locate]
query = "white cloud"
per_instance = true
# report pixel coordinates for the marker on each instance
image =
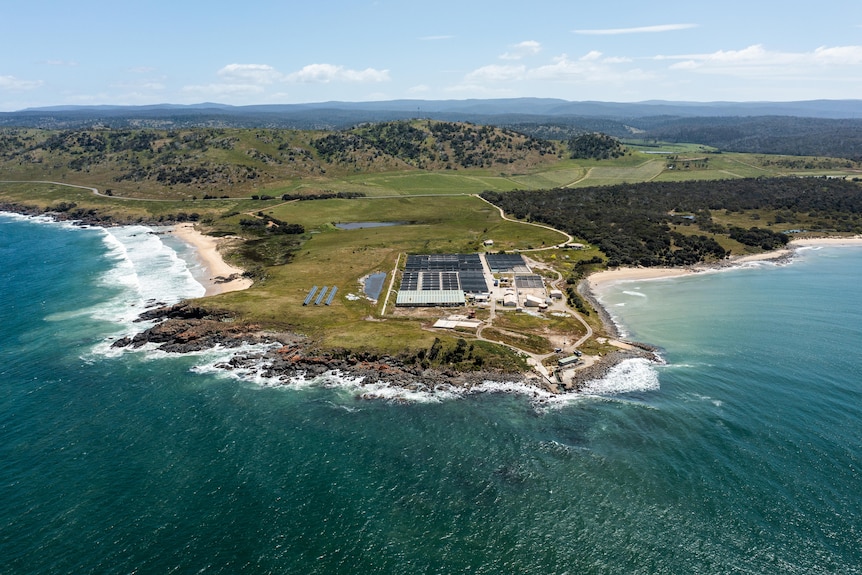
(12, 83)
(592, 68)
(497, 73)
(435, 38)
(326, 73)
(253, 73)
(839, 55)
(238, 80)
(419, 89)
(561, 74)
(637, 30)
(522, 50)
(757, 60)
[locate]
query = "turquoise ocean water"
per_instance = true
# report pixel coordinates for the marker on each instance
(741, 455)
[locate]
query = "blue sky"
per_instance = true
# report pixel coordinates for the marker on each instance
(190, 51)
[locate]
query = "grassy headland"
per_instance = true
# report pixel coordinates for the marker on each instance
(420, 174)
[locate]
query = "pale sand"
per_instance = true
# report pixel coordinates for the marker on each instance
(603, 279)
(808, 242)
(216, 267)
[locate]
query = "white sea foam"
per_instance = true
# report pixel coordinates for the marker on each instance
(148, 268)
(636, 293)
(146, 272)
(215, 362)
(631, 375)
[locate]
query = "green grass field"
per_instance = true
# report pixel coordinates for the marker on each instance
(437, 214)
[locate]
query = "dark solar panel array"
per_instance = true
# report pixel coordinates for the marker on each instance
(473, 281)
(504, 262)
(449, 281)
(430, 281)
(443, 262)
(444, 272)
(410, 281)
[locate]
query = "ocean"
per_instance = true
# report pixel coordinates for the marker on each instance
(741, 454)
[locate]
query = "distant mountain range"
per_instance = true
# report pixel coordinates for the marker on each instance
(344, 114)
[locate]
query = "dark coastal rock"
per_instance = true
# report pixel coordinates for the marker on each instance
(182, 310)
(187, 328)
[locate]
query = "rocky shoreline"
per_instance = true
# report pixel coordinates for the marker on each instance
(187, 328)
(89, 217)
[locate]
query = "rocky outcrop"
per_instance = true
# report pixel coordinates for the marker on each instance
(185, 328)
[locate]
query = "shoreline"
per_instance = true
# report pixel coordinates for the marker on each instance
(592, 286)
(220, 277)
(598, 281)
(191, 329)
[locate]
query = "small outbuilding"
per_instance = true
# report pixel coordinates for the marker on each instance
(533, 301)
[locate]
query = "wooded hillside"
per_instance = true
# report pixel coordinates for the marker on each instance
(654, 223)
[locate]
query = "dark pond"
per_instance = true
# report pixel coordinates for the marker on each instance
(360, 225)
(374, 284)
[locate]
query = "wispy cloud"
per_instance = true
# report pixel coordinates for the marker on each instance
(522, 50)
(238, 80)
(251, 73)
(64, 63)
(11, 83)
(592, 67)
(435, 38)
(497, 73)
(636, 30)
(758, 60)
(326, 73)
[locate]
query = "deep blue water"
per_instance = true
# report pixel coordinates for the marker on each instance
(742, 454)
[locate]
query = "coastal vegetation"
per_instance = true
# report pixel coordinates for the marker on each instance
(672, 223)
(282, 191)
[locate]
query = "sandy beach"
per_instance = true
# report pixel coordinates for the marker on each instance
(602, 279)
(848, 241)
(218, 271)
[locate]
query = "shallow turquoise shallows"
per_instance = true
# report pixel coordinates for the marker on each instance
(742, 454)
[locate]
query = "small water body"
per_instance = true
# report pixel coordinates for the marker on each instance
(361, 225)
(374, 284)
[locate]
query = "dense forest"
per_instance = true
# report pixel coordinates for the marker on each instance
(671, 223)
(434, 145)
(595, 146)
(763, 135)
